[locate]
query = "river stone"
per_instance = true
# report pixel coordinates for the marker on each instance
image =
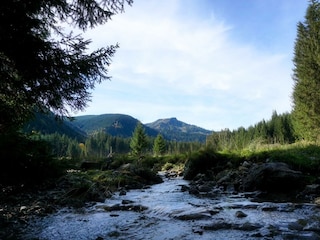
(193, 216)
(240, 214)
(317, 201)
(273, 177)
(220, 225)
(295, 226)
(124, 202)
(247, 226)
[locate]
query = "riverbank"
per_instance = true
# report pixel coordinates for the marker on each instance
(19, 204)
(166, 211)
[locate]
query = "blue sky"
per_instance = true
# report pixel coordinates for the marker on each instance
(212, 63)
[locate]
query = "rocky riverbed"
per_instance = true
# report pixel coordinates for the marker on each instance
(170, 210)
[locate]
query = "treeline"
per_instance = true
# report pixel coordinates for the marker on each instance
(278, 130)
(100, 145)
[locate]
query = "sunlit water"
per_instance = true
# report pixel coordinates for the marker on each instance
(173, 214)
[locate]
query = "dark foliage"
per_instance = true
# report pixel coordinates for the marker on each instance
(204, 161)
(24, 160)
(41, 66)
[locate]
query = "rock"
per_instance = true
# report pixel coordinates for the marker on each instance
(247, 226)
(273, 177)
(240, 214)
(317, 201)
(23, 208)
(122, 193)
(269, 208)
(124, 202)
(205, 188)
(219, 225)
(118, 207)
(184, 188)
(313, 226)
(295, 226)
(192, 216)
(246, 164)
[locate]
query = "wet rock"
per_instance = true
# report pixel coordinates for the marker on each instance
(118, 207)
(184, 188)
(205, 188)
(192, 216)
(246, 164)
(313, 226)
(240, 214)
(122, 192)
(247, 226)
(295, 226)
(269, 208)
(273, 177)
(317, 201)
(219, 225)
(124, 202)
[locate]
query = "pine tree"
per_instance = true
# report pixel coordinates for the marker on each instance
(44, 67)
(306, 92)
(159, 146)
(138, 142)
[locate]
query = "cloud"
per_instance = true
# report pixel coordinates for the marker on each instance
(169, 64)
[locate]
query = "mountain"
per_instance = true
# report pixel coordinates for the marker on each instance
(120, 125)
(48, 124)
(173, 129)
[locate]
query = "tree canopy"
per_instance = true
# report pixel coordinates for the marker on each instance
(306, 94)
(44, 67)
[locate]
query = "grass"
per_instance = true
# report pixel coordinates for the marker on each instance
(302, 156)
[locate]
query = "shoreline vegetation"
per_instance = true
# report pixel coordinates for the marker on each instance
(77, 187)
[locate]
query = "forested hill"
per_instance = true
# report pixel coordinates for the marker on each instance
(48, 124)
(119, 125)
(172, 128)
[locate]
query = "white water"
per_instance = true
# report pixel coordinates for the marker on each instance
(166, 206)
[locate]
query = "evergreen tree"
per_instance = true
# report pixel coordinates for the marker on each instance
(306, 76)
(43, 67)
(159, 146)
(138, 141)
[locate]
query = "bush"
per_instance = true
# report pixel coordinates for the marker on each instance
(25, 160)
(204, 161)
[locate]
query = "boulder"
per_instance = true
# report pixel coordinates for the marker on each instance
(274, 177)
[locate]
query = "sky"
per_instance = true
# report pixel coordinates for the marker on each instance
(212, 63)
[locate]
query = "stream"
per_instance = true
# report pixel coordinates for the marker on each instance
(163, 211)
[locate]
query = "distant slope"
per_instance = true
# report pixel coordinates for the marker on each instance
(173, 129)
(120, 125)
(47, 124)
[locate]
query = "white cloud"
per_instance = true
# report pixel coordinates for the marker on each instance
(191, 69)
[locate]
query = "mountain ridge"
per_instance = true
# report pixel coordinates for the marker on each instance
(120, 125)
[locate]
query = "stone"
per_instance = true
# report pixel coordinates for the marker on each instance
(273, 177)
(317, 201)
(124, 202)
(240, 214)
(219, 225)
(247, 226)
(122, 193)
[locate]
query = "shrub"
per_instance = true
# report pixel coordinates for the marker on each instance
(204, 161)
(25, 160)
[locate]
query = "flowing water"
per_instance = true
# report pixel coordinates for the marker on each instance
(163, 211)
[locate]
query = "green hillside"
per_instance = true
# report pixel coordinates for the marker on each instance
(120, 125)
(48, 124)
